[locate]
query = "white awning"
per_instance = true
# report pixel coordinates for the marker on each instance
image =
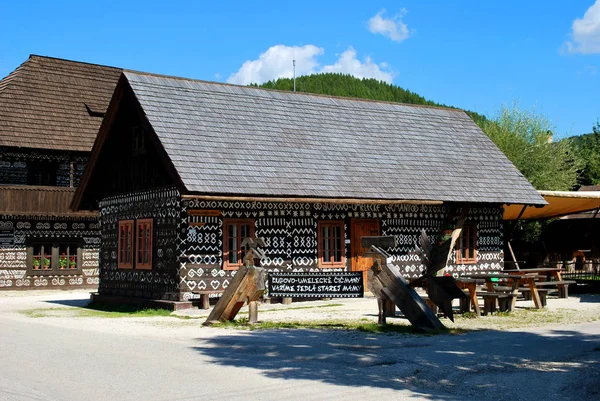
(560, 203)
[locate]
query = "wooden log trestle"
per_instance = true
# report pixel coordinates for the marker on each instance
(247, 286)
(391, 288)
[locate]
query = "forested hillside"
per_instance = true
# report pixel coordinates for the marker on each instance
(335, 84)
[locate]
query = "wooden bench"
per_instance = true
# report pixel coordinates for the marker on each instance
(526, 293)
(563, 286)
(204, 301)
(504, 300)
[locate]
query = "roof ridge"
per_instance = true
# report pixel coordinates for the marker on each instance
(308, 94)
(33, 56)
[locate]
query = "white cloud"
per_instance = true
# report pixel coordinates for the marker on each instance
(276, 62)
(393, 27)
(586, 32)
(349, 64)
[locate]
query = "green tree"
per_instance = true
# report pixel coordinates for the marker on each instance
(589, 152)
(525, 137)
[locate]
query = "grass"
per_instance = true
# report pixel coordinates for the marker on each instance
(124, 310)
(97, 310)
(295, 308)
(365, 327)
(469, 315)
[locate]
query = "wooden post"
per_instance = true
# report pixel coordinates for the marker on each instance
(252, 312)
(381, 317)
(512, 254)
(390, 308)
(71, 175)
(205, 300)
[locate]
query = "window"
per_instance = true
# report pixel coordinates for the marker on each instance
(68, 257)
(331, 249)
(466, 246)
(144, 244)
(138, 143)
(42, 173)
(42, 257)
(235, 231)
(53, 257)
(135, 244)
(125, 246)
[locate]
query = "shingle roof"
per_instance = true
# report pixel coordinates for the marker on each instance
(43, 103)
(234, 140)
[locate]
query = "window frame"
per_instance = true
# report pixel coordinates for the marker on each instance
(226, 223)
(54, 245)
(149, 243)
(333, 264)
(121, 264)
(469, 229)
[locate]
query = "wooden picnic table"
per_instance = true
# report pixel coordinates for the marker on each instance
(526, 278)
(555, 272)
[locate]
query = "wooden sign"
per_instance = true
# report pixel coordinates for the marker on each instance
(316, 285)
(7, 238)
(211, 213)
(378, 241)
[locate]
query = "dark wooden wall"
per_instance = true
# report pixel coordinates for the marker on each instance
(129, 161)
(14, 272)
(187, 257)
(27, 199)
(290, 230)
(162, 281)
(16, 163)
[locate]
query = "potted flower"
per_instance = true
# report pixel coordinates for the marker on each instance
(63, 261)
(72, 262)
(36, 262)
(46, 262)
(445, 233)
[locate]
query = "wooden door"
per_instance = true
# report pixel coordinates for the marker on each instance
(361, 228)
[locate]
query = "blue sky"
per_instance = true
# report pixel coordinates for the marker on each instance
(475, 55)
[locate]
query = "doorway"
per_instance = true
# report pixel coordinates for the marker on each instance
(361, 228)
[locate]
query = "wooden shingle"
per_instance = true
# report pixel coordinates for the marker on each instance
(234, 140)
(43, 103)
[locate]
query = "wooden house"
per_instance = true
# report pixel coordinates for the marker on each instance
(183, 170)
(50, 113)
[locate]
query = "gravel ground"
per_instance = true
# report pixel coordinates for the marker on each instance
(62, 307)
(552, 354)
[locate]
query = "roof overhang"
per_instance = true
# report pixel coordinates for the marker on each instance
(351, 201)
(560, 203)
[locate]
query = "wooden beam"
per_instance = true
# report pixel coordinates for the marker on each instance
(350, 201)
(210, 213)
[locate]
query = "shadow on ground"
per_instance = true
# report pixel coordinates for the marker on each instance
(487, 365)
(83, 302)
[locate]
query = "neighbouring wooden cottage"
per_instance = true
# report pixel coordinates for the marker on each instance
(183, 170)
(50, 113)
